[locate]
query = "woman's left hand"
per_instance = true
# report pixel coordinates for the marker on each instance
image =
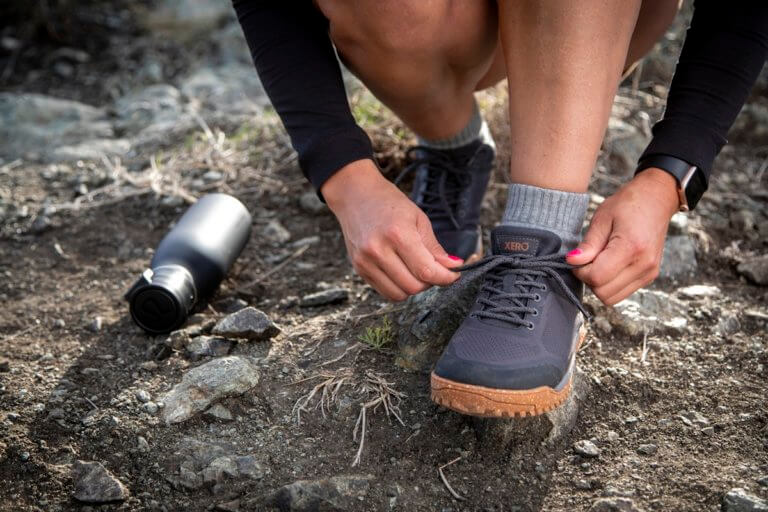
(622, 249)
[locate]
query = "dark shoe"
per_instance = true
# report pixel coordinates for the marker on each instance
(448, 186)
(514, 354)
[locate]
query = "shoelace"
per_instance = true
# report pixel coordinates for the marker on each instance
(516, 301)
(444, 183)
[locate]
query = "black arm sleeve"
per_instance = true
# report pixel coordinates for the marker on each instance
(297, 65)
(724, 50)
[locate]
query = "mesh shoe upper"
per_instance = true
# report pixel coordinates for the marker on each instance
(449, 185)
(523, 328)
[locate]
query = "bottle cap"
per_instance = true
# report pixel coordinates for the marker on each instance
(162, 298)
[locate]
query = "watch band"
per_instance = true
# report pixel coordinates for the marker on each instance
(691, 181)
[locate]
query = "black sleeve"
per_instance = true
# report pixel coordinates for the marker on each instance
(724, 50)
(297, 65)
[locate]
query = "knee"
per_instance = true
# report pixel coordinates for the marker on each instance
(391, 27)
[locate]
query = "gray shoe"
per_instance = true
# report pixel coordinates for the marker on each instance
(514, 354)
(448, 186)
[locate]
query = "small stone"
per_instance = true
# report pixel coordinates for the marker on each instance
(335, 493)
(24, 456)
(177, 339)
(230, 305)
(249, 467)
(249, 323)
(218, 469)
(325, 297)
(708, 431)
(586, 448)
(582, 484)
(276, 232)
(208, 383)
(148, 365)
(728, 324)
(679, 258)
(56, 414)
(647, 449)
(698, 291)
(89, 419)
(602, 324)
(737, 500)
(614, 504)
(755, 269)
(208, 346)
(95, 484)
(59, 323)
(150, 407)
(219, 412)
(612, 436)
(143, 396)
(310, 203)
(212, 176)
(13, 416)
(743, 221)
(763, 481)
(95, 325)
(142, 444)
(41, 224)
(5, 366)
(228, 506)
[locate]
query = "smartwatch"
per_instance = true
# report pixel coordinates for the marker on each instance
(691, 182)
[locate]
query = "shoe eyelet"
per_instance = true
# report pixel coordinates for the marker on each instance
(530, 326)
(544, 288)
(535, 312)
(536, 298)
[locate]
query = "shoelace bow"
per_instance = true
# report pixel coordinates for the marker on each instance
(516, 301)
(445, 181)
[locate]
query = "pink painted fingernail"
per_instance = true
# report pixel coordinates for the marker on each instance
(574, 252)
(454, 258)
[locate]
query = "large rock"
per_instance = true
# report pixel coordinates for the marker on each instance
(149, 106)
(95, 484)
(755, 269)
(550, 428)
(53, 129)
(249, 323)
(430, 319)
(202, 386)
(738, 500)
(195, 463)
(678, 261)
(327, 494)
(232, 89)
(648, 311)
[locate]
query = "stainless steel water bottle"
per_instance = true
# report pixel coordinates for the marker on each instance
(190, 262)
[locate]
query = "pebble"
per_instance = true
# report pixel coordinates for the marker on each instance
(5, 366)
(208, 383)
(582, 484)
(763, 481)
(614, 504)
(208, 346)
(586, 448)
(325, 297)
(708, 431)
(728, 324)
(143, 396)
(24, 456)
(95, 484)
(678, 260)
(698, 291)
(738, 500)
(142, 444)
(41, 224)
(59, 324)
(755, 269)
(148, 365)
(310, 203)
(219, 412)
(602, 324)
(647, 449)
(150, 407)
(249, 323)
(612, 436)
(276, 232)
(95, 325)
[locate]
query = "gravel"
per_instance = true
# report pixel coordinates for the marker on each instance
(586, 448)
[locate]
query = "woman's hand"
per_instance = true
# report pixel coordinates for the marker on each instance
(389, 239)
(622, 249)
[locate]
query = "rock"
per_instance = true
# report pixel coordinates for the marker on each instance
(602, 324)
(95, 484)
(325, 297)
(737, 500)
(649, 310)
(614, 504)
(698, 291)
(549, 428)
(141, 444)
(149, 106)
(95, 325)
(208, 346)
(586, 448)
(89, 150)
(228, 506)
(430, 319)
(743, 221)
(728, 324)
(679, 258)
(218, 469)
(142, 396)
(647, 449)
(232, 91)
(624, 151)
(177, 339)
(248, 466)
(310, 203)
(41, 224)
(335, 493)
(201, 463)
(763, 480)
(150, 407)
(755, 269)
(249, 323)
(219, 412)
(708, 431)
(5, 366)
(276, 232)
(230, 305)
(582, 484)
(186, 19)
(207, 383)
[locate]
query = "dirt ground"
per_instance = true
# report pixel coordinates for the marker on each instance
(68, 387)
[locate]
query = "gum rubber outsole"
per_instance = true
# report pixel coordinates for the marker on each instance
(499, 403)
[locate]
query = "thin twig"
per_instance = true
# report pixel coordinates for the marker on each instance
(445, 480)
(357, 345)
(276, 268)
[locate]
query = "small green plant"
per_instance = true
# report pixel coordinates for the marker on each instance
(378, 337)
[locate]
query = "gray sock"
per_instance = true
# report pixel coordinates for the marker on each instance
(475, 129)
(553, 210)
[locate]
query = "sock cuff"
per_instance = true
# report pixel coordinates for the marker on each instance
(544, 208)
(469, 133)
